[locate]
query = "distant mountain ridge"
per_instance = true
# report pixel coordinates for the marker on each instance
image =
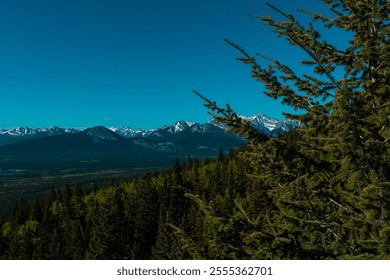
(262, 123)
(10, 136)
(122, 147)
(29, 131)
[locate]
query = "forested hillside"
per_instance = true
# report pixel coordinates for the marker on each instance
(194, 211)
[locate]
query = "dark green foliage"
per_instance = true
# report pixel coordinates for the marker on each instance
(109, 229)
(146, 218)
(323, 189)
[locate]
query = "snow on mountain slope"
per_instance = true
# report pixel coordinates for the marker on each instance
(131, 133)
(262, 123)
(101, 132)
(22, 131)
(183, 137)
(180, 126)
(31, 131)
(14, 135)
(175, 128)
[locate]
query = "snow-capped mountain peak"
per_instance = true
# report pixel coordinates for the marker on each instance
(128, 132)
(55, 130)
(31, 131)
(181, 125)
(101, 132)
(22, 131)
(261, 121)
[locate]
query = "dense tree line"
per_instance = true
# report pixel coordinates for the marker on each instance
(157, 216)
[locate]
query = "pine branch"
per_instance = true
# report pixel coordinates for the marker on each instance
(271, 81)
(211, 104)
(250, 221)
(289, 17)
(308, 51)
(311, 54)
(316, 15)
(235, 123)
(249, 59)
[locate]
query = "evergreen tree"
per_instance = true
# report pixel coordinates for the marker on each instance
(145, 219)
(21, 212)
(109, 234)
(3, 241)
(36, 211)
(325, 187)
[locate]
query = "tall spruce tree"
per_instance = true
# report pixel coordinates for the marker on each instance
(110, 232)
(327, 183)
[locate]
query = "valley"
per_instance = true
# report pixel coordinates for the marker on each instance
(32, 179)
(33, 184)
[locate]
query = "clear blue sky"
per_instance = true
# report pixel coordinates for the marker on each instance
(77, 63)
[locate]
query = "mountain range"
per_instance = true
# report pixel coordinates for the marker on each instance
(99, 143)
(263, 124)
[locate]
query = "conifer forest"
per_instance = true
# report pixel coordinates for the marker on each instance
(322, 191)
